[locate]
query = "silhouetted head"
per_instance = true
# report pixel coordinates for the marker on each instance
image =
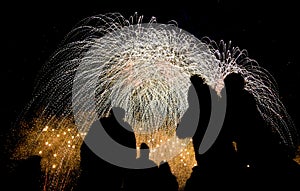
(164, 166)
(117, 115)
(195, 88)
(234, 82)
(144, 150)
(196, 80)
(144, 146)
(118, 112)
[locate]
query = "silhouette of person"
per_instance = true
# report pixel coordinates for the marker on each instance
(221, 162)
(259, 152)
(243, 123)
(98, 174)
(191, 118)
(209, 163)
(118, 129)
(217, 157)
(189, 122)
(167, 180)
(143, 179)
(144, 155)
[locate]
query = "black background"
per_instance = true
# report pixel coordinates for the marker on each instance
(31, 32)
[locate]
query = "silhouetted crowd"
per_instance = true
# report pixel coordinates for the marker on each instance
(245, 155)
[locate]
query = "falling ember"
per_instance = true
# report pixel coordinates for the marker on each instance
(234, 144)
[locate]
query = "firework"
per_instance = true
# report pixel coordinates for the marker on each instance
(145, 68)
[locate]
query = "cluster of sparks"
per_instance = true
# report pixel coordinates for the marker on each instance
(58, 145)
(145, 69)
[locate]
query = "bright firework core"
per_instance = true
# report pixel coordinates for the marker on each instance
(145, 68)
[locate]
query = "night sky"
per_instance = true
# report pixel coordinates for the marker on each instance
(32, 32)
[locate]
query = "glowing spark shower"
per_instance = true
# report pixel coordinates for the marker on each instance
(58, 145)
(297, 157)
(145, 68)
